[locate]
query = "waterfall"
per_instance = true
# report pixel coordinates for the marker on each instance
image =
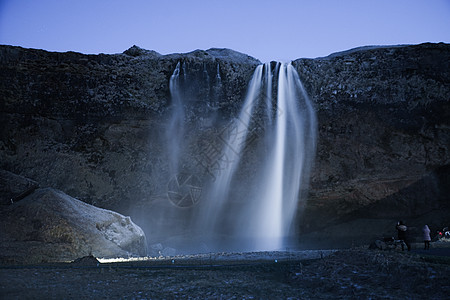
(287, 163)
(271, 175)
(218, 78)
(174, 132)
(293, 152)
(219, 191)
(269, 77)
(268, 222)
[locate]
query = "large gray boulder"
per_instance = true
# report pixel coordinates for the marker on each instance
(50, 226)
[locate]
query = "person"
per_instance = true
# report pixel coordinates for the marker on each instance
(402, 235)
(426, 237)
(446, 232)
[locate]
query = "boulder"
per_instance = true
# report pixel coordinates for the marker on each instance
(50, 226)
(86, 261)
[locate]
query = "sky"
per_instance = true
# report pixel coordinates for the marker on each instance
(268, 30)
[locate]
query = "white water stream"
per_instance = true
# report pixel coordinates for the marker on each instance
(263, 218)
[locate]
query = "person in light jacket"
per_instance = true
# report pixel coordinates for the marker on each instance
(426, 237)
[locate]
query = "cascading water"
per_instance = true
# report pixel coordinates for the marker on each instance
(268, 79)
(219, 191)
(174, 133)
(266, 153)
(287, 164)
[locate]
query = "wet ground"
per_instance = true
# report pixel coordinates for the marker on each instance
(348, 274)
(438, 252)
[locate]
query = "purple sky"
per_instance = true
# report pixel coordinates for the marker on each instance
(268, 30)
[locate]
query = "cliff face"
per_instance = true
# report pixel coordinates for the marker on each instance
(383, 147)
(93, 125)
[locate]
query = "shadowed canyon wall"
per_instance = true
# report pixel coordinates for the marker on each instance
(93, 126)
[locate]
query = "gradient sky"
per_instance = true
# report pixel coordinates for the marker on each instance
(268, 30)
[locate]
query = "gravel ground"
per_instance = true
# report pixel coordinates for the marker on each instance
(344, 274)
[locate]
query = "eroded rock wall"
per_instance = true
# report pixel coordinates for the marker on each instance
(384, 124)
(94, 125)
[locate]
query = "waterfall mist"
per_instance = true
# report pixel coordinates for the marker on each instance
(250, 173)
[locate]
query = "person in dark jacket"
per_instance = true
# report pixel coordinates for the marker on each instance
(402, 231)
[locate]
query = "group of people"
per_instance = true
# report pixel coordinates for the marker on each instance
(402, 230)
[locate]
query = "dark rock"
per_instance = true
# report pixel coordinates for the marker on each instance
(89, 260)
(384, 119)
(14, 188)
(231, 55)
(137, 51)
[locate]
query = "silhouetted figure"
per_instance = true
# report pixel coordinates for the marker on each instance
(446, 232)
(426, 237)
(402, 230)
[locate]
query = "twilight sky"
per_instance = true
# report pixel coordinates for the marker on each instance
(266, 29)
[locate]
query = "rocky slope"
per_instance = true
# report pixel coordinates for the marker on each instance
(93, 127)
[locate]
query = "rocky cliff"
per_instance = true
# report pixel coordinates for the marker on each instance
(93, 127)
(384, 128)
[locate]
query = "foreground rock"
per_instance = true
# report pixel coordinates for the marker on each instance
(50, 226)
